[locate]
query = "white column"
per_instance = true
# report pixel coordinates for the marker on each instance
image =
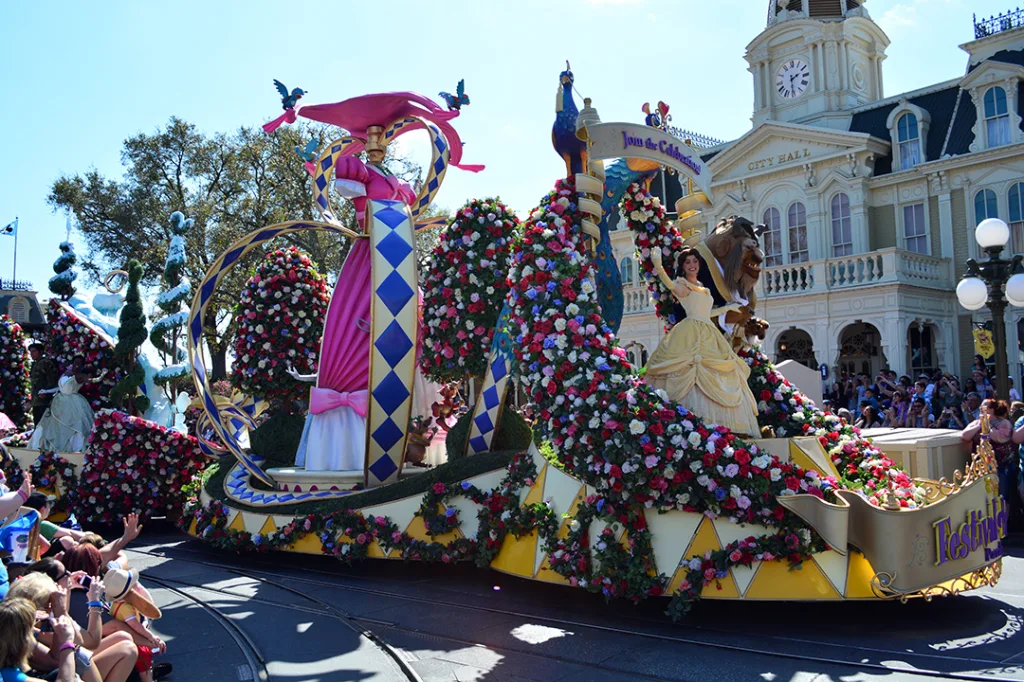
(894, 343)
(821, 66)
(946, 224)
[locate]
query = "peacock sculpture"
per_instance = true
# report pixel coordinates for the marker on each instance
(563, 133)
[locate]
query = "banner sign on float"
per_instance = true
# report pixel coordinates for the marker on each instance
(639, 141)
(915, 548)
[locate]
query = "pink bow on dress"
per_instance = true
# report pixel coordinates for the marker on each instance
(324, 399)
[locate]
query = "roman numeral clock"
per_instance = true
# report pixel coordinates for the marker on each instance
(792, 79)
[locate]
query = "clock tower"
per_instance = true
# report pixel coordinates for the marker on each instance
(815, 60)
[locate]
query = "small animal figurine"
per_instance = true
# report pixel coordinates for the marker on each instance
(420, 436)
(459, 99)
(308, 153)
(288, 100)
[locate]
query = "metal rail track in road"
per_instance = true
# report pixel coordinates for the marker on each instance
(254, 659)
(674, 639)
(329, 610)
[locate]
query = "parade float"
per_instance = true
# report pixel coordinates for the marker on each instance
(618, 489)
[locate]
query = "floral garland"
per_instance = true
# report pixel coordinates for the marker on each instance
(463, 290)
(645, 216)
(50, 467)
(280, 318)
(71, 336)
(134, 465)
(500, 515)
(13, 473)
(861, 465)
(14, 372)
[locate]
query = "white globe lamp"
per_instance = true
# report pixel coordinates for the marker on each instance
(1015, 290)
(972, 293)
(992, 232)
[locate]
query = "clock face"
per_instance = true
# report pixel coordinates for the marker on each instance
(793, 78)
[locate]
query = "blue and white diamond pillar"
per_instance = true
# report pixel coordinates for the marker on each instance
(394, 326)
(487, 411)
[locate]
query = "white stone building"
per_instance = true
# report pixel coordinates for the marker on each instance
(870, 201)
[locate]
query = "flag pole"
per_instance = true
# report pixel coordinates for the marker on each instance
(14, 274)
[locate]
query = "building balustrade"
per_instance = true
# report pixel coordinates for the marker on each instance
(637, 300)
(885, 266)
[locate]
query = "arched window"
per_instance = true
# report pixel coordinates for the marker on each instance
(985, 205)
(997, 117)
(1016, 201)
(842, 226)
(772, 238)
(18, 310)
(797, 225)
(909, 138)
(627, 266)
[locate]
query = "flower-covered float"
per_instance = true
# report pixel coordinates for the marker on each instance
(629, 493)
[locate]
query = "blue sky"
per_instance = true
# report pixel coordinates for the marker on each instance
(79, 77)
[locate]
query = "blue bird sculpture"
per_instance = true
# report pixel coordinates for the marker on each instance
(308, 153)
(455, 102)
(563, 133)
(288, 99)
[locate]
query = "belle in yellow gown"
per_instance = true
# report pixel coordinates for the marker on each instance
(695, 364)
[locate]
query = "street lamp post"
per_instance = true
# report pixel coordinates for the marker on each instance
(994, 282)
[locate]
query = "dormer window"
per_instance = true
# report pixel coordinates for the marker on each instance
(909, 140)
(908, 128)
(997, 117)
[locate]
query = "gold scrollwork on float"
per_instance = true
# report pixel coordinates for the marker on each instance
(986, 576)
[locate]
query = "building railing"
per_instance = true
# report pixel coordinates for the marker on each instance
(16, 285)
(637, 299)
(886, 266)
(998, 23)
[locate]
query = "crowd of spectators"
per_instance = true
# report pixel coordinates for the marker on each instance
(932, 400)
(77, 613)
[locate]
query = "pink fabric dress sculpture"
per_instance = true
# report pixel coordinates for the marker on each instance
(334, 438)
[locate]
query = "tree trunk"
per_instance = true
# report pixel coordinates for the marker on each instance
(219, 363)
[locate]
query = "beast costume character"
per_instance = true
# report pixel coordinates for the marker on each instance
(730, 266)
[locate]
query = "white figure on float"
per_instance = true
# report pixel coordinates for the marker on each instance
(67, 422)
(181, 405)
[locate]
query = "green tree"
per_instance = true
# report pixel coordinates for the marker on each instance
(230, 184)
(130, 335)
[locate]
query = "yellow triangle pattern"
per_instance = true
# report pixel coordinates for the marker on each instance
(820, 462)
(775, 580)
(704, 539)
(517, 555)
(723, 588)
(192, 527)
(268, 526)
(375, 552)
(858, 577)
(418, 531)
(237, 523)
(308, 544)
(563, 530)
(536, 493)
(549, 576)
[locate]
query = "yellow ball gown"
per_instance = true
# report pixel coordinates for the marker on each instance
(697, 367)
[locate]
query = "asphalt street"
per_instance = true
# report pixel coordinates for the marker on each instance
(304, 618)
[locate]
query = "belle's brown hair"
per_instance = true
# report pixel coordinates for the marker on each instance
(681, 257)
(17, 616)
